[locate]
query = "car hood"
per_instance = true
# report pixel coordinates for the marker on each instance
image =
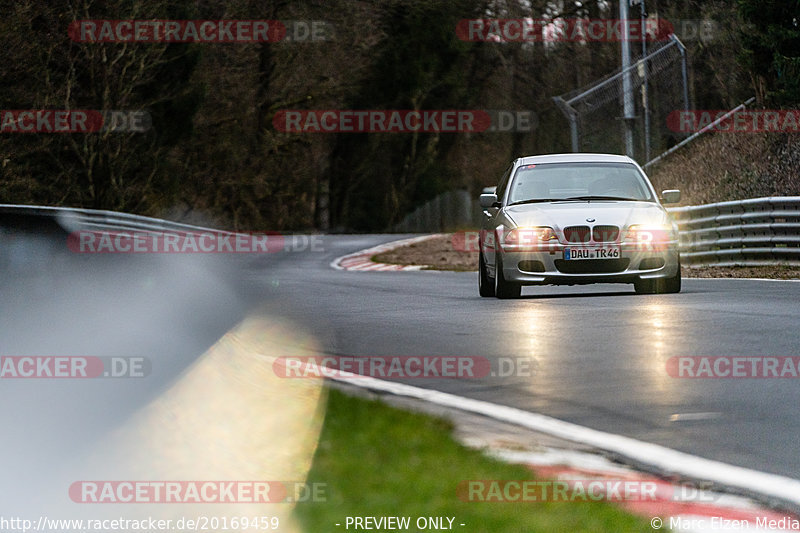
(563, 214)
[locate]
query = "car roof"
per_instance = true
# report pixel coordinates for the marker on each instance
(574, 158)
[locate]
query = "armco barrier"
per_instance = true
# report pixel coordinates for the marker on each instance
(88, 219)
(33, 238)
(753, 232)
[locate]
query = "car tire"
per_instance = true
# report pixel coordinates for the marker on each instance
(485, 283)
(504, 289)
(660, 286)
(644, 286)
(671, 285)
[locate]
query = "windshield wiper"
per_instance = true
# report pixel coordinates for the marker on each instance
(595, 197)
(576, 199)
(536, 201)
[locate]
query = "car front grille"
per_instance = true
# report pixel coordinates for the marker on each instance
(577, 234)
(592, 266)
(605, 233)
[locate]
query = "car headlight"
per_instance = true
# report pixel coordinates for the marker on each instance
(529, 237)
(650, 236)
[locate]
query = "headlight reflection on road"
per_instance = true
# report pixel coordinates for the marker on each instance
(659, 321)
(536, 335)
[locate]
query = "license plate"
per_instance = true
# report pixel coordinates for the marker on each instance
(607, 252)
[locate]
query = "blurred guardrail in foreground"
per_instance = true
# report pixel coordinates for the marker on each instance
(33, 239)
(70, 219)
(753, 232)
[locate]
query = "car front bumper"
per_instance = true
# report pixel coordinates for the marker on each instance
(549, 267)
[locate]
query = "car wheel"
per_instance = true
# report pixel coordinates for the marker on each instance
(485, 283)
(644, 286)
(673, 284)
(660, 286)
(504, 289)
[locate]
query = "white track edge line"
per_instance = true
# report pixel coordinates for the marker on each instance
(654, 455)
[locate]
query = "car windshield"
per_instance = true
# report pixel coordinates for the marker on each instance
(578, 181)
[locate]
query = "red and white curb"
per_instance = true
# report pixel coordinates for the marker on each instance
(677, 507)
(362, 260)
(687, 514)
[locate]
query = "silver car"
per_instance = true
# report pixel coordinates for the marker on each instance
(573, 219)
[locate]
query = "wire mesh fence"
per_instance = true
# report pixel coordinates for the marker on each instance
(659, 86)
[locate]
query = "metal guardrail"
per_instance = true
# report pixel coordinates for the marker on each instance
(73, 219)
(33, 239)
(753, 232)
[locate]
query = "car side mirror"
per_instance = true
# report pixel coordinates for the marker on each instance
(488, 200)
(671, 196)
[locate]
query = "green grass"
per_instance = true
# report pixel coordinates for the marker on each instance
(380, 461)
